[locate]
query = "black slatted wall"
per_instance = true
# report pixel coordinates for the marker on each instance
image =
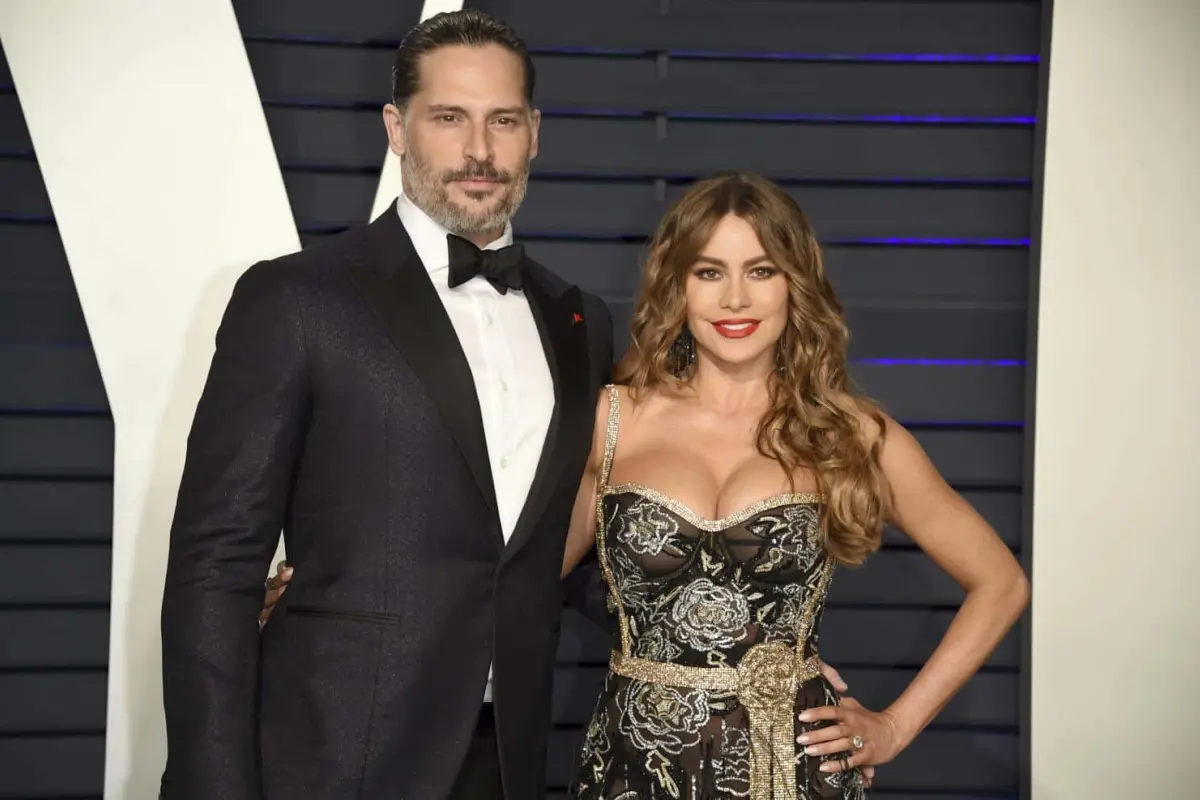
(905, 130)
(56, 449)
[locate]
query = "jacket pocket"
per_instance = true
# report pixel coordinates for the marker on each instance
(357, 616)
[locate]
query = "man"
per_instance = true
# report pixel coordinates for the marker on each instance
(412, 403)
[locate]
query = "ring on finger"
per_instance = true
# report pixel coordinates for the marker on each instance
(845, 764)
(857, 741)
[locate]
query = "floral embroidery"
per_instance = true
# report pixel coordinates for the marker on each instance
(645, 528)
(710, 616)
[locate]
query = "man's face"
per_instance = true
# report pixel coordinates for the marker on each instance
(466, 138)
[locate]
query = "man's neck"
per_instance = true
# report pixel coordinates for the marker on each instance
(482, 240)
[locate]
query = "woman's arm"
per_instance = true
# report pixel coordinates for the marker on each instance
(962, 543)
(582, 533)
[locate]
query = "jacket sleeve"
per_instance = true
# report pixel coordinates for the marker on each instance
(242, 451)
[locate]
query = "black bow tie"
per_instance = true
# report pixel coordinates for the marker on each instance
(501, 268)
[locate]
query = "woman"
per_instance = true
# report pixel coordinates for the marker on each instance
(732, 469)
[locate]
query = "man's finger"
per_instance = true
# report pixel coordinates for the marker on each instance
(834, 677)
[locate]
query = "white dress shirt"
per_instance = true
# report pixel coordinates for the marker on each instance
(504, 351)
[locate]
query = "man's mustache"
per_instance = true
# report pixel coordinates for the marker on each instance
(478, 171)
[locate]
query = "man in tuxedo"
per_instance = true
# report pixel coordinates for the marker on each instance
(412, 403)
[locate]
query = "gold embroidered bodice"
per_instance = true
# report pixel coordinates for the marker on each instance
(689, 593)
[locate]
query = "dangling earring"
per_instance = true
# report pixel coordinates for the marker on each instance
(682, 353)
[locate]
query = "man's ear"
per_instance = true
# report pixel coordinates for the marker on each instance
(393, 122)
(536, 121)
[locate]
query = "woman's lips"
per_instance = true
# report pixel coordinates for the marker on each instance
(736, 328)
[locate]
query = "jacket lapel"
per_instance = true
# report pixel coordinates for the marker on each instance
(558, 313)
(397, 287)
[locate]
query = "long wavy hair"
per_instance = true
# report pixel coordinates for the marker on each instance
(814, 417)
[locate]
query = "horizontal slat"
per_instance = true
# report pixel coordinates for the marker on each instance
(921, 274)
(317, 73)
(913, 331)
(976, 458)
(57, 377)
(629, 208)
(48, 446)
(55, 574)
(896, 328)
(24, 192)
(50, 378)
(946, 394)
(14, 135)
(883, 637)
(54, 638)
(806, 27)
(45, 702)
(989, 698)
(32, 257)
(52, 510)
(52, 767)
(308, 137)
(1001, 509)
(38, 316)
(954, 760)
(901, 576)
(43, 447)
(55, 510)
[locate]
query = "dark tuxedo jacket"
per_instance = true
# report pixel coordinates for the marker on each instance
(341, 409)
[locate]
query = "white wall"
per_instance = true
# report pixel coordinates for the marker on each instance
(151, 139)
(1116, 537)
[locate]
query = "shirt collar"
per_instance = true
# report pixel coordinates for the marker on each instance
(429, 236)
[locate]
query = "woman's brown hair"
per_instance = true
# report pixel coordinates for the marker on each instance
(814, 421)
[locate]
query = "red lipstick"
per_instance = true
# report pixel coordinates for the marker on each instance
(736, 328)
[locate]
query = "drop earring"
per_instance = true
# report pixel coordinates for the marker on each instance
(682, 353)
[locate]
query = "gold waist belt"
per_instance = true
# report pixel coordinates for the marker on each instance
(765, 682)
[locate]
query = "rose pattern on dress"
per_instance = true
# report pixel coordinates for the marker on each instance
(710, 616)
(645, 528)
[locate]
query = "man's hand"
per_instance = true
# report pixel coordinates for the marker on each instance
(276, 586)
(841, 687)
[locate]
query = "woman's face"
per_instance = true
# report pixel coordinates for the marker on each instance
(737, 299)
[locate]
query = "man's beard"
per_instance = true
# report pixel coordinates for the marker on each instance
(427, 190)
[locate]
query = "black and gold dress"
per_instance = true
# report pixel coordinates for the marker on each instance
(718, 649)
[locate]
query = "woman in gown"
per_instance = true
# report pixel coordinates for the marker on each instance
(733, 469)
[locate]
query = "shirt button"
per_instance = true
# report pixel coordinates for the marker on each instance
(487, 320)
(503, 386)
(504, 462)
